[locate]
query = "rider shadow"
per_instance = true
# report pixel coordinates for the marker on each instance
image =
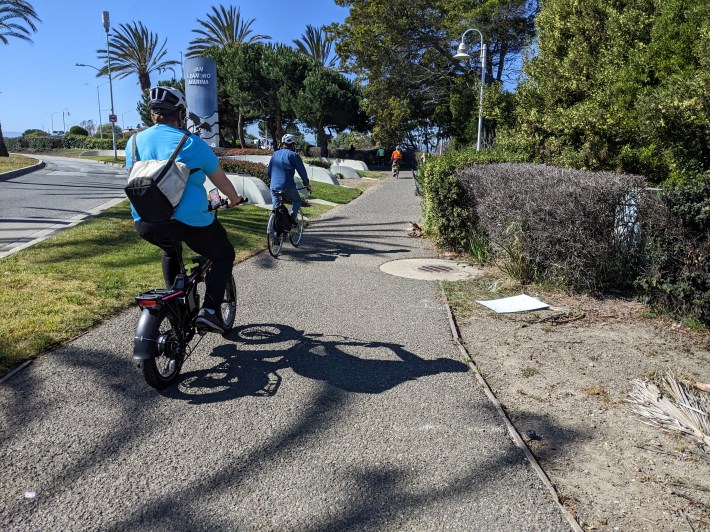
(251, 365)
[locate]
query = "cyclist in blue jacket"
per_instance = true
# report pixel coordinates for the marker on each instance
(282, 167)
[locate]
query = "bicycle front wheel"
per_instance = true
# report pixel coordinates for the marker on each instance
(228, 307)
(163, 369)
(274, 239)
(297, 232)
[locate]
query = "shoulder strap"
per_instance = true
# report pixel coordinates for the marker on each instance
(135, 139)
(179, 147)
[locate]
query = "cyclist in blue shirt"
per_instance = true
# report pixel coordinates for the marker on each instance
(192, 222)
(283, 166)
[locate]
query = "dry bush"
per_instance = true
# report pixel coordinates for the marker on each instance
(553, 224)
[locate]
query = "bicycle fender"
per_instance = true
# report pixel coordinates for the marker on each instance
(145, 342)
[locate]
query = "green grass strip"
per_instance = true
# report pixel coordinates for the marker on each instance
(62, 287)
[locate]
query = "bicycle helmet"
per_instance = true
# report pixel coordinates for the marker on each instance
(288, 139)
(167, 99)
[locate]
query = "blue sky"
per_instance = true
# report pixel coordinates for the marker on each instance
(41, 87)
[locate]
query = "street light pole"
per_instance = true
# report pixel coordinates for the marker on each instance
(462, 53)
(98, 99)
(107, 27)
(64, 125)
(51, 117)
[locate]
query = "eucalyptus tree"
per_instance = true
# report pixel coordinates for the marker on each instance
(316, 44)
(17, 21)
(133, 50)
(224, 27)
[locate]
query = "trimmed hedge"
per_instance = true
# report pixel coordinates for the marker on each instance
(547, 224)
(69, 142)
(317, 162)
(243, 151)
(235, 166)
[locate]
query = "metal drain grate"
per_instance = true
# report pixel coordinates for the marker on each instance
(431, 268)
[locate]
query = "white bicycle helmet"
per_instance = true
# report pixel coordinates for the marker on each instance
(288, 139)
(167, 99)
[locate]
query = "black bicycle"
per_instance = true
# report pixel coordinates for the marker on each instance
(166, 325)
(280, 226)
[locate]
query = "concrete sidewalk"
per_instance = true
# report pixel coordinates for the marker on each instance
(340, 402)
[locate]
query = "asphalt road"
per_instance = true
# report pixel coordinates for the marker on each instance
(34, 206)
(338, 403)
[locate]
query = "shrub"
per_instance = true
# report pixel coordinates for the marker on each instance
(243, 151)
(676, 276)
(235, 166)
(317, 162)
(446, 218)
(78, 130)
(13, 143)
(43, 143)
(552, 224)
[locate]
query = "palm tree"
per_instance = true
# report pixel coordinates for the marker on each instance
(222, 28)
(16, 9)
(316, 44)
(134, 50)
(15, 18)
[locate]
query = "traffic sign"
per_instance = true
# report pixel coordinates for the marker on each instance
(112, 118)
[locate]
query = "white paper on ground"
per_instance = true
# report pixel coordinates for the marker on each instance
(521, 303)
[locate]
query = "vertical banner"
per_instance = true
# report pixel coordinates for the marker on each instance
(201, 96)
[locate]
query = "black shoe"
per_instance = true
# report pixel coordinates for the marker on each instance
(213, 322)
(294, 220)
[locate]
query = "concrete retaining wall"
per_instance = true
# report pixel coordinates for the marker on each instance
(249, 186)
(348, 172)
(352, 163)
(103, 153)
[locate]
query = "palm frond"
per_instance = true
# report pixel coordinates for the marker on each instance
(223, 27)
(672, 407)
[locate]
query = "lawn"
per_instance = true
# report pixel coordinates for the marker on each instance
(15, 162)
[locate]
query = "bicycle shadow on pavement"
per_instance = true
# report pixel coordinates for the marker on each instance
(252, 364)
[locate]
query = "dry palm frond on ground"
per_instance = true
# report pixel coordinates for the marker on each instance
(673, 407)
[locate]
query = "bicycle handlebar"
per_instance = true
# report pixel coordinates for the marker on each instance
(224, 203)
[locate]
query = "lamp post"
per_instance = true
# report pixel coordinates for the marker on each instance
(462, 53)
(51, 117)
(98, 99)
(64, 124)
(123, 123)
(101, 133)
(107, 26)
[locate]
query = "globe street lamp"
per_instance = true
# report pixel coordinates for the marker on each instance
(112, 118)
(51, 117)
(462, 53)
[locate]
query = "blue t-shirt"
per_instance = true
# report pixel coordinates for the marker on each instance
(282, 167)
(158, 143)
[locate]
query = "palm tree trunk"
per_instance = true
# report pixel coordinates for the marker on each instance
(3, 148)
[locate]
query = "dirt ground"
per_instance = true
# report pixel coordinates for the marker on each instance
(563, 376)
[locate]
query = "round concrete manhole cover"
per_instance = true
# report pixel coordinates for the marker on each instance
(430, 269)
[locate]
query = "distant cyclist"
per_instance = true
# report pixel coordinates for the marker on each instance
(396, 159)
(283, 166)
(192, 223)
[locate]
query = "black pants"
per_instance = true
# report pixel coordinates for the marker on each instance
(210, 241)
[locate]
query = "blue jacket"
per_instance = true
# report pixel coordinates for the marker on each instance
(282, 167)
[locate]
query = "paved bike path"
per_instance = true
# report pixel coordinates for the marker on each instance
(339, 403)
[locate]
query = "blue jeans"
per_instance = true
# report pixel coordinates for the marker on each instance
(290, 195)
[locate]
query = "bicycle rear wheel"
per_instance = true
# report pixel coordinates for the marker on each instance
(297, 232)
(228, 307)
(163, 369)
(274, 239)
